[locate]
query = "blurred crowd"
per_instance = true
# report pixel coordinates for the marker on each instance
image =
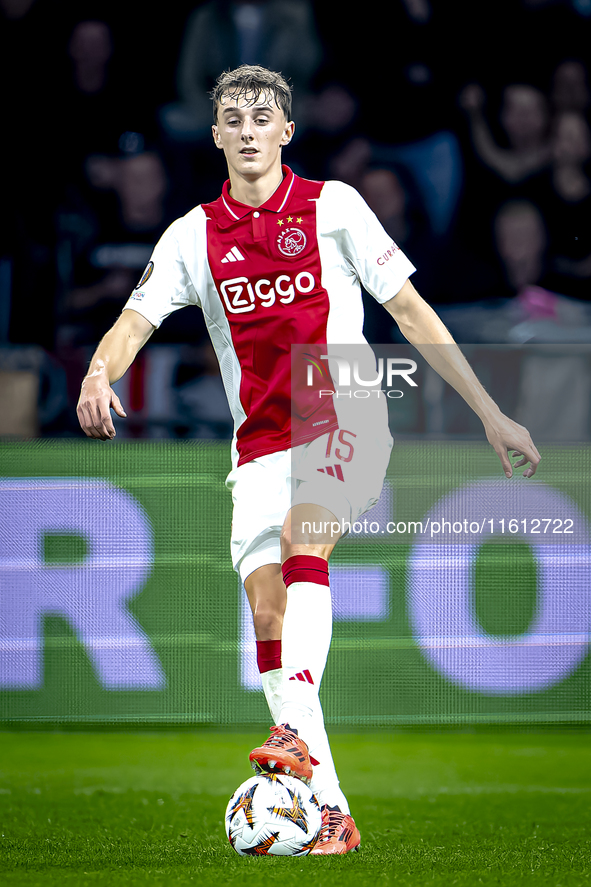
(465, 126)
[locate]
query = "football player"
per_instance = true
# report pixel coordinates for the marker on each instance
(278, 261)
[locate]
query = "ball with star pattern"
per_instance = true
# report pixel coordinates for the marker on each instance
(273, 815)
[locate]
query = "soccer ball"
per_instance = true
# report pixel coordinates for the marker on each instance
(273, 815)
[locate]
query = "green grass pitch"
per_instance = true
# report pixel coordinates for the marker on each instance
(141, 808)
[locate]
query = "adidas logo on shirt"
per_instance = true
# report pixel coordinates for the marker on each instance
(233, 256)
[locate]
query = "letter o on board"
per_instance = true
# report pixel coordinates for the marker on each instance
(440, 589)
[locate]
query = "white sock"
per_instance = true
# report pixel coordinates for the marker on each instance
(325, 782)
(273, 688)
(305, 642)
(269, 665)
(307, 631)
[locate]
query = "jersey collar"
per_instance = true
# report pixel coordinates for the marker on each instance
(276, 202)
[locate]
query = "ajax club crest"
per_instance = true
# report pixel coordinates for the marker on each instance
(291, 241)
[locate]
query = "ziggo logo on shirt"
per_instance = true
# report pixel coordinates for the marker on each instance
(240, 295)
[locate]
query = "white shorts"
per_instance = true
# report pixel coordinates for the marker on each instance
(342, 471)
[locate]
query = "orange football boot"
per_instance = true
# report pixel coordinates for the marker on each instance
(283, 752)
(338, 833)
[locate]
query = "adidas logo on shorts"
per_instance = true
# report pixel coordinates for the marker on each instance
(337, 471)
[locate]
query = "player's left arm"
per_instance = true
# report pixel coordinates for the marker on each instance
(422, 327)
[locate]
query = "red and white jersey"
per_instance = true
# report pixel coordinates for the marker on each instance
(269, 277)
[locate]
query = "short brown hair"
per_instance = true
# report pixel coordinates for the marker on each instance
(252, 79)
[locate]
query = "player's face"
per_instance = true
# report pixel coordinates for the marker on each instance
(251, 135)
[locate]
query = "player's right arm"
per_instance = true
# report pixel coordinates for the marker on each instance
(423, 328)
(114, 355)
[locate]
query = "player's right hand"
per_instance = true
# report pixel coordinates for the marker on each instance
(94, 409)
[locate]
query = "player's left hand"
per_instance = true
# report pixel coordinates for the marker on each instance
(504, 434)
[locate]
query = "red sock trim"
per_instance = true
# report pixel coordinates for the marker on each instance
(305, 568)
(268, 655)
